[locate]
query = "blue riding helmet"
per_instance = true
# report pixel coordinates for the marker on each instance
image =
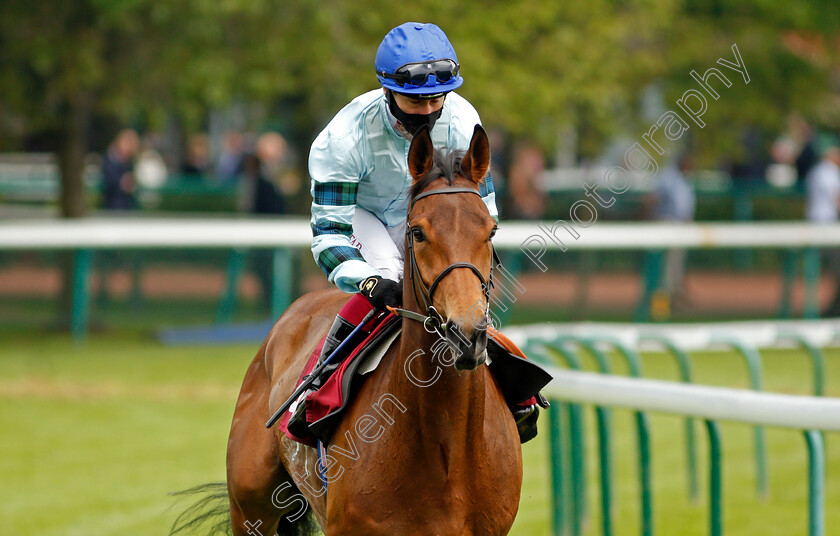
(417, 59)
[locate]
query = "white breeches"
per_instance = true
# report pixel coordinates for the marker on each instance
(382, 247)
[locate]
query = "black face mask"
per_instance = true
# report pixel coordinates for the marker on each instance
(412, 122)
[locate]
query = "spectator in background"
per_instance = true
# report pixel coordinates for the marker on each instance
(749, 169)
(118, 182)
(526, 199)
(230, 163)
(197, 163)
(803, 136)
(822, 188)
(262, 198)
(674, 201)
(151, 168)
(119, 187)
(278, 166)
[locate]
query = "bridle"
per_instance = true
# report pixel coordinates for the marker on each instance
(432, 321)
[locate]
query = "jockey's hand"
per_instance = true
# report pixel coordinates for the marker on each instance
(381, 292)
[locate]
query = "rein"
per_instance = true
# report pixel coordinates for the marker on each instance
(432, 320)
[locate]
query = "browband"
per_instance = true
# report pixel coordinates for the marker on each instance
(443, 191)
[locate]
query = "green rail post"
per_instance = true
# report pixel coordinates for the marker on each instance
(634, 364)
(684, 366)
(789, 278)
(281, 282)
(227, 304)
(602, 417)
(585, 267)
(743, 212)
(715, 479)
(558, 480)
(646, 488)
(753, 361)
(577, 448)
(817, 359)
(512, 263)
(652, 262)
(80, 301)
(563, 509)
(811, 273)
(816, 483)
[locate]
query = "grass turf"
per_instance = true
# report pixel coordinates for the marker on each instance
(94, 436)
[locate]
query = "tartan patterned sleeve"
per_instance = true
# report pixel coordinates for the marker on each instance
(335, 175)
(332, 206)
(335, 193)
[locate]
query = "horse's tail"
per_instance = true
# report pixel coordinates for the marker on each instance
(211, 509)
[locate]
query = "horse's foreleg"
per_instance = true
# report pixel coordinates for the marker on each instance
(254, 471)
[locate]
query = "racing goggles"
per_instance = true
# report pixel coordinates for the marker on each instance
(417, 74)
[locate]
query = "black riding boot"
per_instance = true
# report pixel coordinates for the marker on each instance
(526, 418)
(339, 331)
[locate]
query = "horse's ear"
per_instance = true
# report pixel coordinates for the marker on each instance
(421, 154)
(477, 160)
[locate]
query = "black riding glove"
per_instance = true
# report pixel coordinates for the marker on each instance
(381, 292)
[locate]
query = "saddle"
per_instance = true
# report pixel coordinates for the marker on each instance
(325, 405)
(519, 379)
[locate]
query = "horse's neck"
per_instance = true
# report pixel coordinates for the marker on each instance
(448, 404)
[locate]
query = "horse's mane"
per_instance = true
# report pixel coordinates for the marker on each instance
(447, 163)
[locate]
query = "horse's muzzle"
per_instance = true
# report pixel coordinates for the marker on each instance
(469, 344)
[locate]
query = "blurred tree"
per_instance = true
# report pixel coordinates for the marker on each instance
(62, 63)
(530, 67)
(790, 50)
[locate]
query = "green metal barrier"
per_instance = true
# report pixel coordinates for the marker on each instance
(572, 452)
(567, 450)
(653, 262)
(816, 483)
(788, 278)
(603, 417)
(281, 291)
(80, 313)
(281, 287)
(227, 303)
(684, 366)
(715, 479)
(560, 513)
(811, 275)
(811, 279)
(817, 359)
(642, 423)
(752, 358)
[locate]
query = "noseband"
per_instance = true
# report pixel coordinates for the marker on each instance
(432, 321)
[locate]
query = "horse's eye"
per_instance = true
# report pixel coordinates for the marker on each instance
(417, 234)
(493, 232)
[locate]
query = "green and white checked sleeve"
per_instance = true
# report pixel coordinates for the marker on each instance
(336, 171)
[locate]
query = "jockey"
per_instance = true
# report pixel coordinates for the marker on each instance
(361, 183)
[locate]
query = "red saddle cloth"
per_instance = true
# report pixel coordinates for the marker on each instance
(324, 405)
(519, 379)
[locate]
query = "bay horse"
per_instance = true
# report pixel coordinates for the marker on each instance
(423, 448)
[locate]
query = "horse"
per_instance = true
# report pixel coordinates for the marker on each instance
(428, 445)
